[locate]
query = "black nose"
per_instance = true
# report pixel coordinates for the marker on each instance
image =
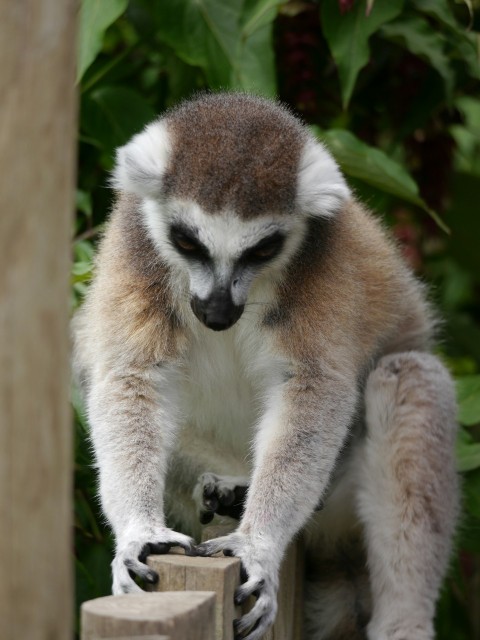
(218, 312)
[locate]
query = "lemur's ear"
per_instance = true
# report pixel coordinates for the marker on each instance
(141, 163)
(321, 190)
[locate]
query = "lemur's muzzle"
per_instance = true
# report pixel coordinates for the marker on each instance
(218, 312)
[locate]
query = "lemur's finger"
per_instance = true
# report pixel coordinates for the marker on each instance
(152, 548)
(141, 570)
(206, 516)
(211, 547)
(255, 623)
(253, 586)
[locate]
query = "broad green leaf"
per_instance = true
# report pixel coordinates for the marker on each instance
(258, 13)
(81, 272)
(203, 33)
(417, 36)
(83, 250)
(439, 9)
(95, 17)
(374, 167)
(255, 55)
(471, 491)
(111, 115)
(230, 41)
(468, 397)
(348, 34)
(83, 202)
(467, 136)
(468, 452)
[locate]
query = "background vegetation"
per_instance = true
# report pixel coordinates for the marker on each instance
(392, 87)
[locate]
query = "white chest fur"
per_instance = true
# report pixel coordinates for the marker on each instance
(226, 376)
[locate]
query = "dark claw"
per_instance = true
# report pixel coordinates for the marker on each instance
(203, 550)
(208, 490)
(243, 573)
(228, 552)
(159, 548)
(211, 503)
(227, 499)
(154, 548)
(152, 577)
(206, 517)
(191, 551)
(240, 596)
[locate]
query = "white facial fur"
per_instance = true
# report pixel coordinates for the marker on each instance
(226, 236)
(141, 164)
(322, 189)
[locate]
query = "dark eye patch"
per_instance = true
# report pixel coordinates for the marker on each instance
(264, 250)
(187, 244)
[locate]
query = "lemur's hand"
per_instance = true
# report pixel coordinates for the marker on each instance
(260, 566)
(132, 551)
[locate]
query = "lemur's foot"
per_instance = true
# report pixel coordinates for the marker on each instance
(222, 495)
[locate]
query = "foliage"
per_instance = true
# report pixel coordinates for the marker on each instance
(392, 89)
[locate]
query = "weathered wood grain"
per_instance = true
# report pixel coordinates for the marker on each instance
(37, 159)
(187, 615)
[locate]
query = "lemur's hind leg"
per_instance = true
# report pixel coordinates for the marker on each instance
(408, 494)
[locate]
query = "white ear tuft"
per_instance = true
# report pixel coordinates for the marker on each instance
(321, 189)
(141, 163)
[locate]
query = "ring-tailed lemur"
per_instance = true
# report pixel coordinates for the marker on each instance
(249, 318)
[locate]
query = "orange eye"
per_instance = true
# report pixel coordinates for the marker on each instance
(265, 252)
(185, 244)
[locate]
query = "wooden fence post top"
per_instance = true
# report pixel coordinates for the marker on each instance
(186, 615)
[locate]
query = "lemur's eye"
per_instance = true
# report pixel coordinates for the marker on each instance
(266, 249)
(265, 252)
(186, 244)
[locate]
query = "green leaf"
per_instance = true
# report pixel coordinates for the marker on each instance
(81, 272)
(348, 34)
(468, 397)
(439, 9)
(95, 17)
(468, 452)
(83, 202)
(417, 36)
(256, 60)
(471, 491)
(203, 33)
(111, 115)
(230, 41)
(374, 167)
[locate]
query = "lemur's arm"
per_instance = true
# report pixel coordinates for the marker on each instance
(133, 418)
(298, 441)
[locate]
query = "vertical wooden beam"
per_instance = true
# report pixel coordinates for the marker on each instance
(178, 572)
(37, 158)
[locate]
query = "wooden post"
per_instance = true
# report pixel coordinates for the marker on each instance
(178, 572)
(222, 575)
(159, 616)
(37, 159)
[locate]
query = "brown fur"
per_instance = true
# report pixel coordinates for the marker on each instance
(353, 294)
(129, 307)
(215, 135)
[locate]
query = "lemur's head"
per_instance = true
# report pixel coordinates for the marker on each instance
(228, 183)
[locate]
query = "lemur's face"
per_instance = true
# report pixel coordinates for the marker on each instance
(221, 254)
(227, 185)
